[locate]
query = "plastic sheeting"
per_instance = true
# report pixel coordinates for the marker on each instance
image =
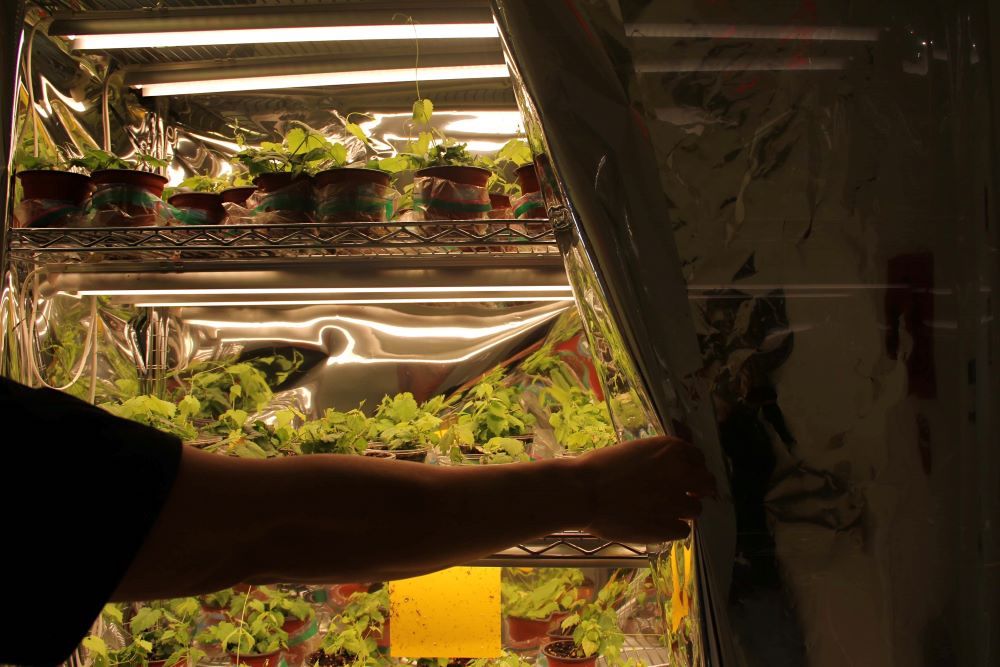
(828, 181)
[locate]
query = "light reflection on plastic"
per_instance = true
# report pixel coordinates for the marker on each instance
(487, 122)
(213, 291)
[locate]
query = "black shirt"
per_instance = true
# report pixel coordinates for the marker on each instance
(80, 490)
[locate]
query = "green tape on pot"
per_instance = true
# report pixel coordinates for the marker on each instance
(187, 216)
(45, 213)
(305, 635)
(529, 206)
(281, 201)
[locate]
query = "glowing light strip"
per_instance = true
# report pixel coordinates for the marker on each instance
(158, 40)
(348, 302)
(324, 79)
(231, 291)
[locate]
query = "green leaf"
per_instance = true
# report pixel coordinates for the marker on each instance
(422, 111)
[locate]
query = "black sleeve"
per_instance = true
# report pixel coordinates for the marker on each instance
(80, 490)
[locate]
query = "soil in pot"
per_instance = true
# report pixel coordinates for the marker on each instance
(452, 193)
(527, 630)
(565, 654)
(126, 197)
(238, 196)
(56, 185)
(207, 206)
(250, 660)
(339, 659)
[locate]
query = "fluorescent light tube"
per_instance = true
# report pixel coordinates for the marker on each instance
(349, 302)
(362, 77)
(232, 291)
(342, 33)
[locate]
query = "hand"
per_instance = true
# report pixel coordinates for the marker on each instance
(646, 490)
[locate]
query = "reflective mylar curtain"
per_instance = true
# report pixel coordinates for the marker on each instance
(829, 186)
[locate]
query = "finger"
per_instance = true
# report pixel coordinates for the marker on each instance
(691, 454)
(702, 485)
(675, 530)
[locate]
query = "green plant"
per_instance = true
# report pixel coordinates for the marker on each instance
(218, 599)
(258, 630)
(582, 423)
(348, 644)
(401, 423)
(506, 660)
(513, 154)
(245, 385)
(94, 159)
(49, 156)
(334, 433)
(540, 596)
(493, 410)
(367, 611)
(163, 415)
(255, 439)
(302, 150)
(503, 450)
(161, 630)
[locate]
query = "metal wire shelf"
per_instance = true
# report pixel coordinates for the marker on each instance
(276, 241)
(571, 549)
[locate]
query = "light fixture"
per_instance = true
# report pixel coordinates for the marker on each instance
(235, 291)
(232, 75)
(732, 31)
(222, 25)
(360, 77)
(351, 302)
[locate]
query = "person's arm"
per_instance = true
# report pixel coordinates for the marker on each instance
(341, 518)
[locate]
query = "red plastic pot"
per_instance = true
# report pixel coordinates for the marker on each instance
(266, 660)
(126, 214)
(527, 178)
(559, 661)
(293, 625)
(161, 663)
(238, 195)
(147, 180)
(277, 180)
(464, 175)
(499, 201)
(350, 175)
(209, 202)
(341, 593)
(524, 630)
(57, 185)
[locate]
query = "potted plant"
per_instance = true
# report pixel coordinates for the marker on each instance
(596, 635)
(216, 603)
(127, 193)
(344, 647)
(503, 188)
(199, 200)
(353, 194)
(582, 423)
(404, 427)
(242, 385)
(282, 171)
(255, 439)
(297, 614)
(492, 410)
(609, 596)
(174, 418)
(530, 607)
(255, 638)
(369, 611)
(46, 176)
(238, 188)
(334, 433)
(159, 634)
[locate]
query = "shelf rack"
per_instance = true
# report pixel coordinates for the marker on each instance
(570, 549)
(276, 242)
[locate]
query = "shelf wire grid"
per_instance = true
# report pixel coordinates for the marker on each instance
(240, 242)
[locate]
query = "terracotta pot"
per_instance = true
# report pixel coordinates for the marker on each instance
(350, 175)
(57, 185)
(266, 660)
(276, 181)
(559, 661)
(209, 202)
(499, 200)
(464, 175)
(127, 214)
(524, 630)
(238, 195)
(527, 178)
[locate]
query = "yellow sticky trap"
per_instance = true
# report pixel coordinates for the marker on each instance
(454, 613)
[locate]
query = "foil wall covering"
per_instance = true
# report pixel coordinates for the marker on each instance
(829, 178)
